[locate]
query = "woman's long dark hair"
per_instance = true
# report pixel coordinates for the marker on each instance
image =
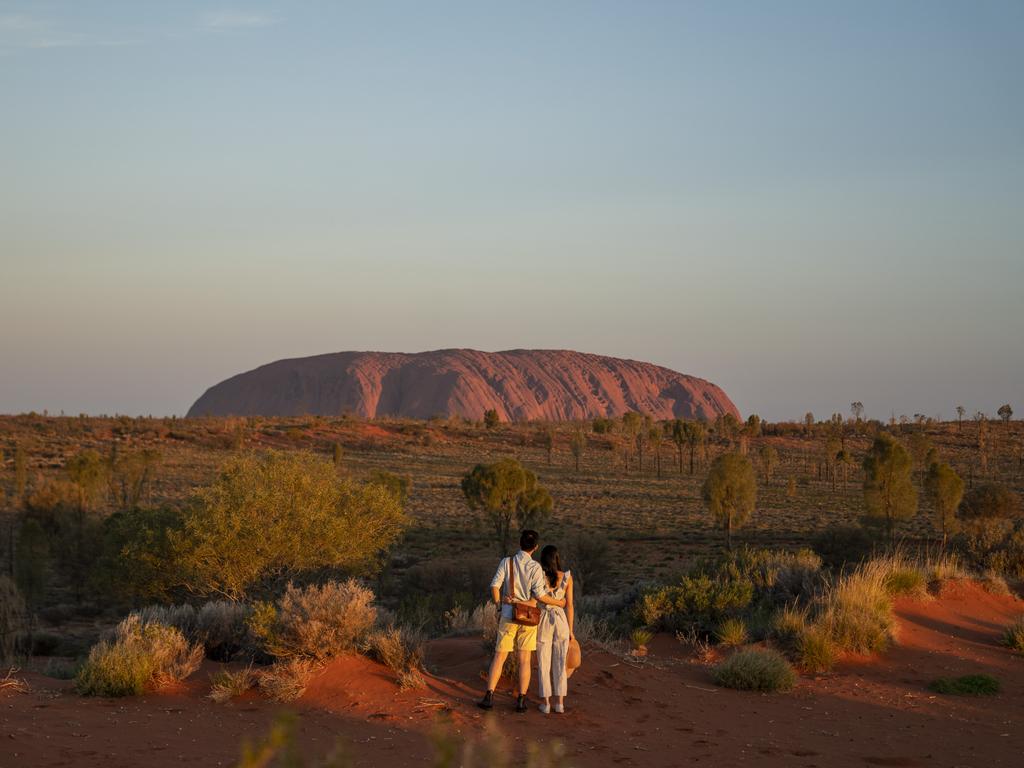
(551, 564)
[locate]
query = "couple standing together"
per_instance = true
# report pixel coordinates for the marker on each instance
(522, 580)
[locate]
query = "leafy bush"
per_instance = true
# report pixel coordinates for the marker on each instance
(732, 633)
(839, 545)
(755, 669)
(13, 620)
(459, 621)
(696, 601)
(996, 545)
(401, 650)
(138, 657)
(286, 680)
(227, 684)
(222, 627)
(990, 500)
(315, 622)
(1013, 635)
(968, 685)
(778, 576)
(181, 617)
(235, 533)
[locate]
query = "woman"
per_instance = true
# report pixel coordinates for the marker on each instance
(554, 633)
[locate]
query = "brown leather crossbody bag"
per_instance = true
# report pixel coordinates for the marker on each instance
(527, 615)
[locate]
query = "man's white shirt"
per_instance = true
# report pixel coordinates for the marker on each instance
(529, 579)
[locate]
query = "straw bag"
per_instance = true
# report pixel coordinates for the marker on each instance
(573, 657)
(527, 615)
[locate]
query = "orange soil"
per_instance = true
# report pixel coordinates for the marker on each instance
(663, 712)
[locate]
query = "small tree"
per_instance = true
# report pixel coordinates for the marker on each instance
(960, 411)
(945, 489)
(507, 491)
(20, 475)
(857, 409)
(577, 444)
(730, 492)
(769, 460)
(88, 472)
(655, 437)
(992, 501)
(491, 418)
(695, 437)
(546, 440)
(397, 485)
(844, 459)
(832, 448)
(1005, 413)
(679, 438)
(268, 517)
(632, 423)
(337, 454)
(889, 493)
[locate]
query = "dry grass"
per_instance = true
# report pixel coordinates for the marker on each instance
(11, 684)
(732, 633)
(287, 680)
(226, 685)
(401, 650)
(1013, 635)
(316, 622)
(856, 611)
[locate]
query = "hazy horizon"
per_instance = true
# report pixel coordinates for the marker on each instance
(804, 204)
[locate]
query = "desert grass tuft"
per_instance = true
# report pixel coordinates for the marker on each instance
(856, 611)
(138, 657)
(11, 684)
(401, 650)
(1013, 635)
(755, 669)
(968, 685)
(640, 637)
(287, 680)
(732, 633)
(816, 651)
(227, 684)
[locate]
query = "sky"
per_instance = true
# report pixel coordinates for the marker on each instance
(808, 203)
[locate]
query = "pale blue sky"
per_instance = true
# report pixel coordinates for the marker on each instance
(806, 202)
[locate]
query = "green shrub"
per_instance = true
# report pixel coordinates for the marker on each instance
(13, 620)
(235, 534)
(968, 685)
(316, 622)
(138, 657)
(755, 669)
(700, 601)
(839, 545)
(732, 633)
(777, 575)
(401, 650)
(1013, 635)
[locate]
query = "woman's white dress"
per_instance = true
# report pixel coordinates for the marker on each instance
(553, 645)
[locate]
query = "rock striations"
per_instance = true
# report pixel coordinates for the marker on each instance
(519, 384)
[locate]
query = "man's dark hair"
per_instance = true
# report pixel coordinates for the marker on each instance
(528, 540)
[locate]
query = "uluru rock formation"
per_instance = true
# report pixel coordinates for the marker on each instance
(519, 384)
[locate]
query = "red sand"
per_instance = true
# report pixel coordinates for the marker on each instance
(664, 712)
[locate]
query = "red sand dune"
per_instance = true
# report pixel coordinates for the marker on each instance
(519, 384)
(664, 712)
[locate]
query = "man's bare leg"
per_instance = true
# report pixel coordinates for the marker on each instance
(525, 659)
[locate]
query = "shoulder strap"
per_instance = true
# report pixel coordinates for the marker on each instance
(511, 579)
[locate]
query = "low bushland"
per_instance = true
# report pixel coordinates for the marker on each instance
(755, 669)
(286, 680)
(137, 658)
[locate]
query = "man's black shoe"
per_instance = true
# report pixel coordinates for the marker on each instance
(487, 702)
(521, 703)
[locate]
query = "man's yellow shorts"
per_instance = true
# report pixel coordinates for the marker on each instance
(516, 637)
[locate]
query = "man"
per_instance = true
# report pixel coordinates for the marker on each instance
(530, 586)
